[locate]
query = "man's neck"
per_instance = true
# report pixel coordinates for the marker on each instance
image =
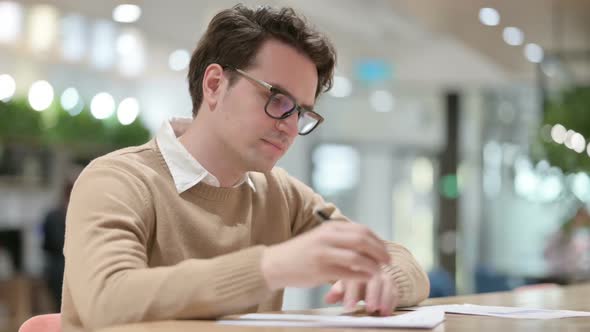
(210, 154)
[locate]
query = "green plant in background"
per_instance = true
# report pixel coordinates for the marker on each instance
(19, 122)
(54, 126)
(572, 110)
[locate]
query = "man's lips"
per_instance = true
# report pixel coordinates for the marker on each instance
(279, 146)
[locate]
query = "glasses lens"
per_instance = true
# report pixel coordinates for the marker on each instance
(307, 122)
(278, 105)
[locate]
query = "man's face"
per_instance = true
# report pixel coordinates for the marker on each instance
(256, 140)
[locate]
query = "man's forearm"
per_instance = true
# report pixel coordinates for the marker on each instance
(191, 289)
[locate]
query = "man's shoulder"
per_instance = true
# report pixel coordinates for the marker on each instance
(139, 160)
(133, 156)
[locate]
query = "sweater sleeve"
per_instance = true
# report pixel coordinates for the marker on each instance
(108, 230)
(411, 279)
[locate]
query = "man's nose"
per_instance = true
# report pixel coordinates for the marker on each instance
(289, 125)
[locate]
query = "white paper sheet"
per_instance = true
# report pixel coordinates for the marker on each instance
(508, 312)
(427, 319)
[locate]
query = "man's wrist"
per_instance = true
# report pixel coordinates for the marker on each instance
(270, 269)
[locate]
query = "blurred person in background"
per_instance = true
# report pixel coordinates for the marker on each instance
(53, 229)
(568, 249)
(198, 223)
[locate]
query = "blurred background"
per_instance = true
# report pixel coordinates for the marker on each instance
(457, 128)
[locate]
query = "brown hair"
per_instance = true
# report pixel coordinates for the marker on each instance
(235, 35)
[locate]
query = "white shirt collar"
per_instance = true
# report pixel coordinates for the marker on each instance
(185, 169)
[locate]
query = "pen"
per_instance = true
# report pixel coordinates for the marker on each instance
(322, 215)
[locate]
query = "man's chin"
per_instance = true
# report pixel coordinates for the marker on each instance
(264, 167)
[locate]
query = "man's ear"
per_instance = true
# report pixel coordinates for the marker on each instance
(213, 85)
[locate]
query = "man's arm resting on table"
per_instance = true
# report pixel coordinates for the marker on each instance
(108, 230)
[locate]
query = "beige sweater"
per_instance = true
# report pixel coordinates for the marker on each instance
(136, 250)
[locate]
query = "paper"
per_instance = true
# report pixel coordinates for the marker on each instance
(508, 312)
(427, 319)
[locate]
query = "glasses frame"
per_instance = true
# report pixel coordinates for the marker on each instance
(274, 91)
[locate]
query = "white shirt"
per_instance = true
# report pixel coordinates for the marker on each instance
(185, 169)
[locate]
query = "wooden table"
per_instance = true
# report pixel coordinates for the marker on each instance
(569, 297)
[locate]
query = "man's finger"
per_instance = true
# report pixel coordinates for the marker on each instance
(374, 293)
(389, 297)
(352, 294)
(336, 293)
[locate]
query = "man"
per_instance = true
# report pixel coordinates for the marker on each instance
(54, 226)
(198, 224)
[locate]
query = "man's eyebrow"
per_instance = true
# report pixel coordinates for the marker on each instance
(285, 91)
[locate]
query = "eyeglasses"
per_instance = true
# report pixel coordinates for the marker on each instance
(281, 105)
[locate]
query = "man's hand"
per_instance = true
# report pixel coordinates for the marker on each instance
(380, 294)
(334, 250)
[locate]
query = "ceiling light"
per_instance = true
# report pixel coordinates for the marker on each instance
(179, 60)
(382, 101)
(43, 20)
(489, 16)
(128, 111)
(102, 106)
(126, 13)
(533, 53)
(341, 88)
(69, 98)
(7, 87)
(40, 95)
(11, 16)
(513, 36)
